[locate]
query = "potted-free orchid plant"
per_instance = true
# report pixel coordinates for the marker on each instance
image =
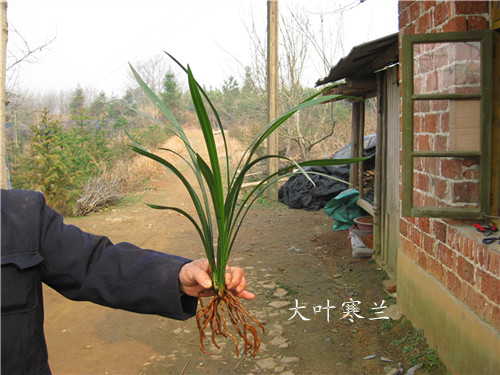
(220, 210)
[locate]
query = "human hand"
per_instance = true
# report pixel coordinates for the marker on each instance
(195, 280)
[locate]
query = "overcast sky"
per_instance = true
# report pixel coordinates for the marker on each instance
(95, 39)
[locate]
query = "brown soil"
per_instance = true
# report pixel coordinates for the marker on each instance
(368, 240)
(289, 257)
(365, 219)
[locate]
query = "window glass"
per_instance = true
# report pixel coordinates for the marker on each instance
(453, 67)
(446, 125)
(446, 182)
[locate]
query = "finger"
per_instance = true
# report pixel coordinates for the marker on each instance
(201, 277)
(203, 264)
(238, 279)
(245, 294)
(229, 279)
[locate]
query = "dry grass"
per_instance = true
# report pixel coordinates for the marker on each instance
(111, 185)
(108, 187)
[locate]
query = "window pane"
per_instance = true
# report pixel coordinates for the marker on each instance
(446, 182)
(446, 125)
(447, 68)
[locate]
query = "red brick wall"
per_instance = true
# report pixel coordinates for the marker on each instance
(420, 17)
(457, 258)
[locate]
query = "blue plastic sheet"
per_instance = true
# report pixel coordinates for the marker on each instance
(343, 209)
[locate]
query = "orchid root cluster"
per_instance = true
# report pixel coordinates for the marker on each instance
(217, 312)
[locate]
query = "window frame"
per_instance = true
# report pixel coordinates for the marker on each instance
(485, 37)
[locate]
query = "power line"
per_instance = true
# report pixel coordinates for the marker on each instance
(127, 49)
(345, 8)
(94, 82)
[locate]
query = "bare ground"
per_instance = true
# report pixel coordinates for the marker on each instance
(289, 257)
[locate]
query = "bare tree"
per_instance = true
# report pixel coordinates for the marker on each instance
(302, 44)
(153, 71)
(20, 51)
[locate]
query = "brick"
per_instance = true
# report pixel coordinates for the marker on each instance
(471, 7)
(404, 17)
(446, 256)
(440, 105)
(493, 265)
(440, 230)
(424, 224)
(450, 236)
(428, 244)
(428, 4)
(422, 181)
(455, 222)
(423, 260)
(431, 82)
(454, 284)
(431, 201)
(471, 162)
(451, 168)
(465, 270)
(483, 257)
(441, 143)
(415, 11)
(404, 227)
(436, 269)
(445, 122)
(467, 251)
(390, 285)
(475, 300)
(454, 241)
(471, 174)
(490, 286)
(416, 236)
(422, 142)
(448, 75)
(458, 23)
(475, 23)
(431, 123)
(409, 249)
(441, 13)
(410, 29)
(422, 107)
(441, 188)
(418, 199)
(432, 165)
(404, 4)
(465, 192)
(475, 255)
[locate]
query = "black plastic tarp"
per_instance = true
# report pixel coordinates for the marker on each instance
(299, 192)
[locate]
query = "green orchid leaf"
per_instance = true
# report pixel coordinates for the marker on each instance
(223, 200)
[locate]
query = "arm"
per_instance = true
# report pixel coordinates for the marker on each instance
(82, 266)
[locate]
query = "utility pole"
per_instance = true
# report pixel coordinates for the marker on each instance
(272, 89)
(3, 112)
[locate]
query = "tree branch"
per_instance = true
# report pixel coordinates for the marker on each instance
(28, 51)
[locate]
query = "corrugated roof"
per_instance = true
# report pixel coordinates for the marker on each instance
(365, 59)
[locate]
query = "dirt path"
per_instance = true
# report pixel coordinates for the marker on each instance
(290, 257)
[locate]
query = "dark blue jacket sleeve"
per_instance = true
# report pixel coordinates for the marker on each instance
(83, 266)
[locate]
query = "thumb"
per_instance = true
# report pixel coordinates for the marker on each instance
(202, 278)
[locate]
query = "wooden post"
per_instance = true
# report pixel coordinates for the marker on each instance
(378, 202)
(361, 147)
(354, 173)
(3, 113)
(495, 138)
(272, 89)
